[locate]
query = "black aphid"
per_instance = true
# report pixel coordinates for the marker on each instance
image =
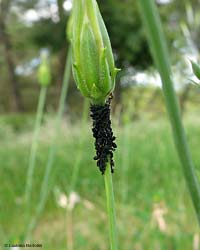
(103, 134)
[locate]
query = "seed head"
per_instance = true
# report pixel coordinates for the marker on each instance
(93, 62)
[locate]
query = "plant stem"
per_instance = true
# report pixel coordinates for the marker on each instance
(76, 167)
(52, 151)
(160, 55)
(125, 162)
(34, 146)
(110, 208)
(75, 174)
(69, 229)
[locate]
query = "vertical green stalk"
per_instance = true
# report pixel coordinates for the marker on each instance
(111, 208)
(69, 229)
(160, 55)
(74, 178)
(34, 146)
(52, 151)
(53, 148)
(125, 162)
(76, 167)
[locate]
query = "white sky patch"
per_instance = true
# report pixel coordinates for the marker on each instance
(49, 11)
(44, 9)
(27, 68)
(67, 5)
(31, 16)
(147, 78)
(164, 1)
(54, 12)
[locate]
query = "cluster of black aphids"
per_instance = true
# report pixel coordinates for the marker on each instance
(103, 134)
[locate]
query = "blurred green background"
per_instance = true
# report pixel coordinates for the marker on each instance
(153, 206)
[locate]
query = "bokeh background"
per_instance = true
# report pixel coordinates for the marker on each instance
(153, 206)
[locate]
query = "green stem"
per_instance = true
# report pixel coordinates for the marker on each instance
(110, 208)
(160, 55)
(74, 178)
(76, 167)
(125, 162)
(53, 148)
(69, 229)
(34, 146)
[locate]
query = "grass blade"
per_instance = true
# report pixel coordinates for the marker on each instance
(34, 146)
(160, 55)
(52, 151)
(77, 164)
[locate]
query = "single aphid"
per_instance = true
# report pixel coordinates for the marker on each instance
(94, 72)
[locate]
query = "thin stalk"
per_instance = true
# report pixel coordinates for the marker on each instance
(69, 229)
(160, 55)
(34, 146)
(125, 162)
(52, 151)
(77, 164)
(74, 178)
(110, 208)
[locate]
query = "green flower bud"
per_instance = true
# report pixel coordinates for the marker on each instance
(93, 63)
(196, 69)
(69, 29)
(44, 74)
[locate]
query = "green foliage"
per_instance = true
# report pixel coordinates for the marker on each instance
(41, 35)
(158, 45)
(126, 32)
(17, 123)
(148, 186)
